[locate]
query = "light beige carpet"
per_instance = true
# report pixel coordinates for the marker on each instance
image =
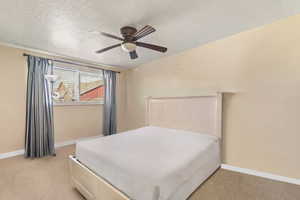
(48, 179)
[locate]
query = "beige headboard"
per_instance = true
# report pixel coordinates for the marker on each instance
(201, 114)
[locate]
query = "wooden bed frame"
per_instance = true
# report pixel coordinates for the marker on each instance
(195, 113)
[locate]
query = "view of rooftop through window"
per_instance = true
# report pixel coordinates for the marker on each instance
(91, 87)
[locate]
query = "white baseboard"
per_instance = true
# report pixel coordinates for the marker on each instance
(57, 145)
(12, 154)
(261, 174)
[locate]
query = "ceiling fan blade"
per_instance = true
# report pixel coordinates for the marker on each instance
(108, 48)
(133, 55)
(152, 46)
(143, 29)
(112, 36)
(144, 32)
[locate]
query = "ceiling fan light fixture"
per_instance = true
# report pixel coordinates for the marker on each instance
(128, 46)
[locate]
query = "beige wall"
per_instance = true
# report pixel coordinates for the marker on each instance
(71, 122)
(261, 121)
(12, 100)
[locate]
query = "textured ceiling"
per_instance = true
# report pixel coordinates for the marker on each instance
(70, 27)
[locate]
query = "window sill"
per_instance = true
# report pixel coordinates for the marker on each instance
(78, 104)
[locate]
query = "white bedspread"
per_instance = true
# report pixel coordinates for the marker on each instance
(152, 163)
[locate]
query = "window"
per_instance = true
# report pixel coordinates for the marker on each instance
(77, 87)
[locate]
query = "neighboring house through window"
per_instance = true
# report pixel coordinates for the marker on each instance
(75, 86)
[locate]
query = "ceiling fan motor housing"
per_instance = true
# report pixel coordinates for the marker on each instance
(128, 32)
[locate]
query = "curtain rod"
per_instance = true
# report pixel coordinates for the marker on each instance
(74, 63)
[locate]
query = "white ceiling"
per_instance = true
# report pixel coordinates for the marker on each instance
(68, 27)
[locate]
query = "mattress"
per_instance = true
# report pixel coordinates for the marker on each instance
(152, 163)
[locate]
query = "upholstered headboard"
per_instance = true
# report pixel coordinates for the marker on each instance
(201, 114)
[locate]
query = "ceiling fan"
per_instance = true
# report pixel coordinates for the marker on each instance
(130, 40)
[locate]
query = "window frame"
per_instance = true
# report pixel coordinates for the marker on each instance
(76, 88)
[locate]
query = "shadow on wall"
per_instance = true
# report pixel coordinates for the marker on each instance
(227, 99)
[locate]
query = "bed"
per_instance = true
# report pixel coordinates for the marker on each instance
(166, 160)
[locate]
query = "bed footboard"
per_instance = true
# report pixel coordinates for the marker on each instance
(90, 185)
